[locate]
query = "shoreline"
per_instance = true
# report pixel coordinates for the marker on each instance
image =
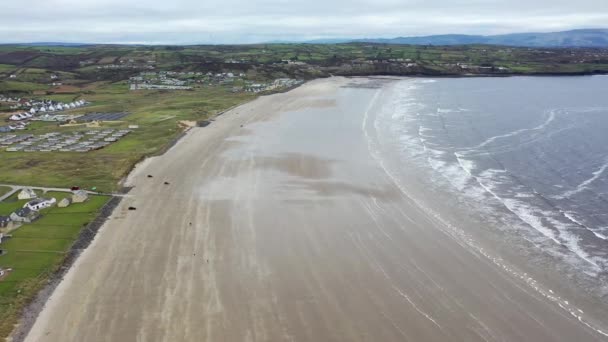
(481, 75)
(87, 236)
(83, 241)
(307, 169)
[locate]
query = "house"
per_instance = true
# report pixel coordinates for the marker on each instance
(40, 203)
(27, 194)
(25, 215)
(4, 222)
(64, 202)
(79, 196)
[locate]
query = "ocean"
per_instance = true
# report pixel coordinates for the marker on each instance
(528, 156)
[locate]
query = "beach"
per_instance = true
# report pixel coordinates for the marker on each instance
(281, 221)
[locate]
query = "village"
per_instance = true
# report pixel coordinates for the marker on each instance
(32, 109)
(173, 80)
(27, 222)
(84, 141)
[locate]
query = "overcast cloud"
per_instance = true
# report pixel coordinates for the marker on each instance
(242, 21)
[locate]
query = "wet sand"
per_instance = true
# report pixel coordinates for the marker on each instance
(279, 224)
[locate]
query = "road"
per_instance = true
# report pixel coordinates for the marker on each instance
(15, 188)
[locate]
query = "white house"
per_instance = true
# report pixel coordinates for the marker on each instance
(27, 194)
(40, 203)
(65, 202)
(79, 196)
(32, 110)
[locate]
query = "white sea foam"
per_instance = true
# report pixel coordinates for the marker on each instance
(547, 122)
(571, 217)
(458, 234)
(451, 110)
(584, 185)
(463, 176)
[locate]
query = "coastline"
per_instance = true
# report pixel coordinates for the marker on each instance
(182, 244)
(473, 75)
(85, 238)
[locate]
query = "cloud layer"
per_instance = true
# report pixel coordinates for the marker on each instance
(241, 21)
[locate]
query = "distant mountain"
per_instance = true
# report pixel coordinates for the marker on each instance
(574, 38)
(47, 44)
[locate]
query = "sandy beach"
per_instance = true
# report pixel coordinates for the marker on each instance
(279, 223)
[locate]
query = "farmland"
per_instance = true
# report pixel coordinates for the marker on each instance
(100, 74)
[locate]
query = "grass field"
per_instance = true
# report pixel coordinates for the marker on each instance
(156, 112)
(12, 86)
(4, 190)
(6, 68)
(36, 250)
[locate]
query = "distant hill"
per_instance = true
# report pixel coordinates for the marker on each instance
(595, 38)
(574, 38)
(47, 44)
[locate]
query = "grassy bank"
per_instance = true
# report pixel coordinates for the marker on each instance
(36, 250)
(157, 113)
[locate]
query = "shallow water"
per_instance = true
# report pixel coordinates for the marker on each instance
(530, 155)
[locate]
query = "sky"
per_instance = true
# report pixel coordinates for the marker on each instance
(252, 21)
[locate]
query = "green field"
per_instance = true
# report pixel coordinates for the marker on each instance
(156, 112)
(4, 190)
(36, 250)
(6, 68)
(17, 86)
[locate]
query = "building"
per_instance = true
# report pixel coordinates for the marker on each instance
(40, 203)
(27, 194)
(79, 196)
(64, 202)
(25, 215)
(4, 222)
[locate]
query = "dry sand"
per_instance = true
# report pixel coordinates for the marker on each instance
(268, 231)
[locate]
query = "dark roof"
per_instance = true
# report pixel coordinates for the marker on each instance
(23, 212)
(5, 219)
(38, 200)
